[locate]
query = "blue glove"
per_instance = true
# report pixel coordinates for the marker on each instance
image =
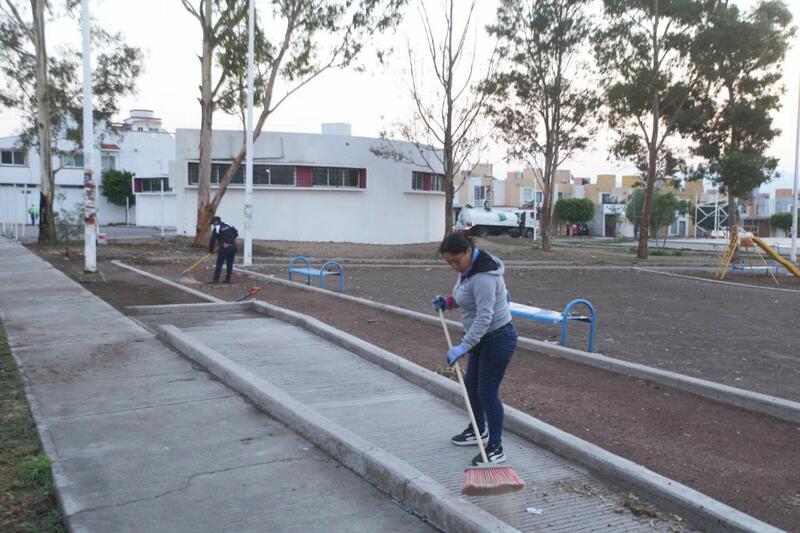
(456, 352)
(442, 303)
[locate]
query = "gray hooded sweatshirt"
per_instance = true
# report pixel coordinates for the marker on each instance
(481, 294)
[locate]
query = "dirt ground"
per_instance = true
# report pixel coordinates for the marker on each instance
(708, 446)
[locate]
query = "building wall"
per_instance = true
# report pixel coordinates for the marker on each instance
(149, 210)
(386, 211)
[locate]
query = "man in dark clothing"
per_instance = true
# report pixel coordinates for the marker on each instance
(224, 236)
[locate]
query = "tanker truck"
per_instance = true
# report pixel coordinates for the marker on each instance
(512, 222)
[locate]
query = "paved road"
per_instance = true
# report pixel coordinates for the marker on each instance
(142, 441)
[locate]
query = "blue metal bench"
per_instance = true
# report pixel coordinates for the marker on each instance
(554, 317)
(740, 266)
(328, 268)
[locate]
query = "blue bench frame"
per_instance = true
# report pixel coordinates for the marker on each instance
(739, 265)
(320, 272)
(563, 318)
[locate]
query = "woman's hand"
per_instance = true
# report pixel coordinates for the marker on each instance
(443, 303)
(455, 353)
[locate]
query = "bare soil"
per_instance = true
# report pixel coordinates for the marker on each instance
(744, 459)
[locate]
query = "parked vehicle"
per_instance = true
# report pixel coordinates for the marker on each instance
(512, 222)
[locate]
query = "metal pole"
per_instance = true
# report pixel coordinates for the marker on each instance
(89, 186)
(248, 174)
(127, 210)
(793, 253)
(14, 214)
(25, 213)
(162, 208)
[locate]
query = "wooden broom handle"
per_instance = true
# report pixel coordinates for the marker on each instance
(457, 370)
(198, 262)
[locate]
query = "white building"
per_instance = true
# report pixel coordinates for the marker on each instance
(316, 187)
(144, 149)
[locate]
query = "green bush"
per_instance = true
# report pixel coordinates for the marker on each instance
(117, 186)
(781, 221)
(574, 210)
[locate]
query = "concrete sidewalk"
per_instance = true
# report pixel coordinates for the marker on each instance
(404, 420)
(142, 441)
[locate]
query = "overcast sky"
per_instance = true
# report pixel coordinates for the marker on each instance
(370, 102)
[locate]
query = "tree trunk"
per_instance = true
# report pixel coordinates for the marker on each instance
(732, 215)
(47, 233)
(204, 209)
(652, 144)
(548, 181)
(449, 178)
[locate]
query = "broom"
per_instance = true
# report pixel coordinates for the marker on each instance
(183, 274)
(482, 480)
(251, 293)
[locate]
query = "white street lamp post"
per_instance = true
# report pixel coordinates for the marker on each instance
(248, 169)
(793, 254)
(89, 184)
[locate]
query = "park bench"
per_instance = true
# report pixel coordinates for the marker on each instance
(740, 266)
(554, 317)
(328, 268)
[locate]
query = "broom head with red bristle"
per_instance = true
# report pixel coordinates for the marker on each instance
(490, 480)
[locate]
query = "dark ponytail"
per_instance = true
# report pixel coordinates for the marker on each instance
(456, 242)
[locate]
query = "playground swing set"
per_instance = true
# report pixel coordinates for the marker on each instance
(748, 241)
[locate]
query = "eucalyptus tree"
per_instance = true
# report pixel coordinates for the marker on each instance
(542, 101)
(46, 88)
(299, 40)
(644, 51)
(740, 55)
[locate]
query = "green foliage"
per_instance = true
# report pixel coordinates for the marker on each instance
(781, 221)
(69, 225)
(574, 210)
(538, 99)
(28, 502)
(35, 471)
(663, 212)
(117, 66)
(740, 57)
(117, 187)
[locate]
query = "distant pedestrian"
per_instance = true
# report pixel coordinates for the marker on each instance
(33, 211)
(224, 237)
(490, 338)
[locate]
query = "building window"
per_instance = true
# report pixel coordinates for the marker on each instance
(334, 177)
(72, 160)
(478, 194)
(12, 157)
(108, 161)
(422, 181)
(527, 194)
(262, 174)
(150, 184)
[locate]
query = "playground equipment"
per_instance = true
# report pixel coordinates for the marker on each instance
(555, 317)
(328, 268)
(748, 241)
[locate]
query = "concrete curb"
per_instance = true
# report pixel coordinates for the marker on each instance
(408, 486)
(184, 288)
(666, 493)
(752, 401)
(65, 505)
(721, 282)
(164, 309)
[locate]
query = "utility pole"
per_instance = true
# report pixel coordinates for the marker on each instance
(793, 253)
(248, 168)
(89, 185)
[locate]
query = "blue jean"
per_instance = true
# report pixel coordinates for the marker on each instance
(487, 365)
(225, 255)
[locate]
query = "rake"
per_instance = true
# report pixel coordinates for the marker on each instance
(194, 265)
(482, 480)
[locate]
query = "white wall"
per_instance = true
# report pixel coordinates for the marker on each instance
(387, 211)
(148, 210)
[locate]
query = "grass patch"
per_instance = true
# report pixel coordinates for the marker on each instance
(27, 500)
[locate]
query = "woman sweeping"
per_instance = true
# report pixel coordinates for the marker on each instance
(490, 338)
